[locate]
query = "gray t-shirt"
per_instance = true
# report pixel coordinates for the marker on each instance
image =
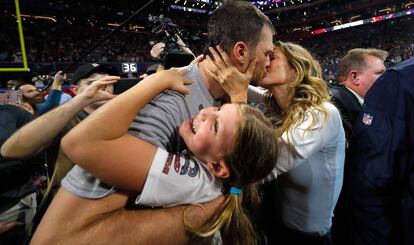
(157, 123)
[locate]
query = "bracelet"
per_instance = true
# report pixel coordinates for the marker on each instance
(183, 213)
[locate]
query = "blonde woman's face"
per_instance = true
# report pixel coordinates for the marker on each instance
(263, 52)
(279, 72)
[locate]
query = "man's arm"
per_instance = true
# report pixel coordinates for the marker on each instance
(148, 226)
(55, 94)
(74, 220)
(37, 135)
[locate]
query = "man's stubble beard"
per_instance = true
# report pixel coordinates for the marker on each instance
(256, 79)
(35, 100)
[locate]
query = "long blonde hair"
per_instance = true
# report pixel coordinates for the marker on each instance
(252, 158)
(308, 90)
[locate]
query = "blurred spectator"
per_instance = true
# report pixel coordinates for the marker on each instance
(379, 191)
(45, 132)
(394, 36)
(33, 100)
(11, 84)
(357, 72)
(17, 188)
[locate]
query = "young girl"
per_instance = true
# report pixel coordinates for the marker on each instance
(234, 142)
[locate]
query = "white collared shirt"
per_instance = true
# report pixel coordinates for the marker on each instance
(360, 98)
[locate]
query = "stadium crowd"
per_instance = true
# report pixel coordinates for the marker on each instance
(394, 36)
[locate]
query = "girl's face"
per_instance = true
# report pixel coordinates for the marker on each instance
(212, 132)
(280, 72)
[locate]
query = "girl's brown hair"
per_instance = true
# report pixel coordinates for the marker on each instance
(252, 158)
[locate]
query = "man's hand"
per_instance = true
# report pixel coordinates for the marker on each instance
(58, 80)
(59, 77)
(99, 90)
(157, 49)
(230, 78)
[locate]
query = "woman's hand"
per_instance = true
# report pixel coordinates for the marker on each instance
(234, 82)
(175, 80)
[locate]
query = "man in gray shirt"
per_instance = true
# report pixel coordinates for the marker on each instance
(244, 33)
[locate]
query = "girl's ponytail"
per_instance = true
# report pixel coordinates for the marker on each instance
(233, 223)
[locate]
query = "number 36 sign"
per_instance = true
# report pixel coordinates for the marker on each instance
(129, 67)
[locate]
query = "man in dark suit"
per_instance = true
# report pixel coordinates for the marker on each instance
(380, 191)
(357, 72)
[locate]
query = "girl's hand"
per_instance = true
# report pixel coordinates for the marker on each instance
(230, 78)
(175, 80)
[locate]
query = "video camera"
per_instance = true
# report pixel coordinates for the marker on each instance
(164, 30)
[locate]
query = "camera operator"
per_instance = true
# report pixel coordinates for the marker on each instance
(157, 51)
(159, 48)
(170, 48)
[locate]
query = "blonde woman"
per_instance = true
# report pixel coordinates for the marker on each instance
(310, 136)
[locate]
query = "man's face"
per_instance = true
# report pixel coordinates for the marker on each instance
(31, 94)
(374, 68)
(263, 52)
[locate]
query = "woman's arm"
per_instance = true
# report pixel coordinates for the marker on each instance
(100, 144)
(325, 133)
